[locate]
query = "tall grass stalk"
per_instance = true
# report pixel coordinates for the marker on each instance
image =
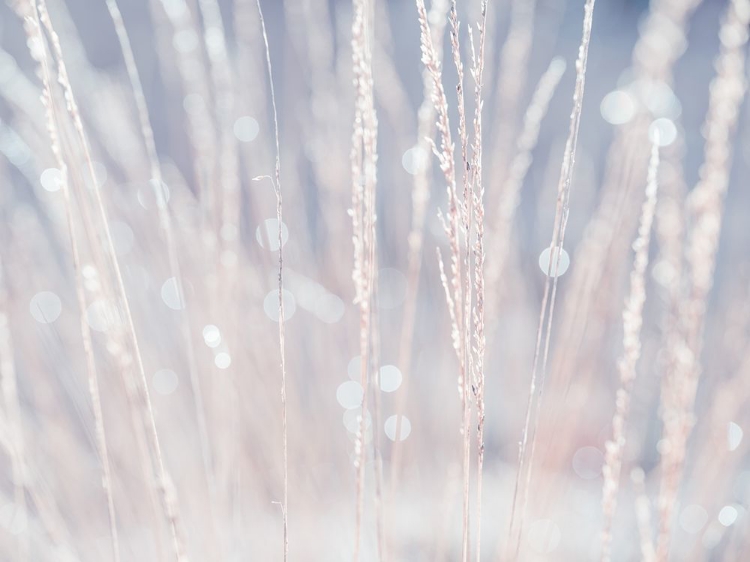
(420, 200)
(501, 228)
(550, 286)
(165, 221)
(12, 430)
(705, 207)
(364, 180)
(276, 180)
(35, 34)
(643, 515)
(90, 334)
(632, 317)
(466, 220)
(477, 196)
(169, 503)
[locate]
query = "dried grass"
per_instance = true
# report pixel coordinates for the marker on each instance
(202, 418)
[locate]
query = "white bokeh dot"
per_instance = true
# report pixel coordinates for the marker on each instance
(390, 378)
(728, 515)
(267, 234)
(51, 179)
(170, 294)
(390, 428)
(211, 335)
(349, 394)
(734, 436)
(246, 129)
(165, 381)
(214, 39)
(45, 307)
(222, 360)
(693, 518)
(175, 8)
(102, 315)
(153, 195)
(618, 107)
(562, 267)
(658, 97)
(414, 160)
(329, 308)
(271, 305)
(587, 462)
(662, 131)
(354, 368)
(17, 152)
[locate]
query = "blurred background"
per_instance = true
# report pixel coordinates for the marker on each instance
(203, 292)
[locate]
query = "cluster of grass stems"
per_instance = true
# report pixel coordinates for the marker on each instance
(244, 461)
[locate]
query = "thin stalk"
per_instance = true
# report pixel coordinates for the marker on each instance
(550, 288)
(170, 506)
(279, 220)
